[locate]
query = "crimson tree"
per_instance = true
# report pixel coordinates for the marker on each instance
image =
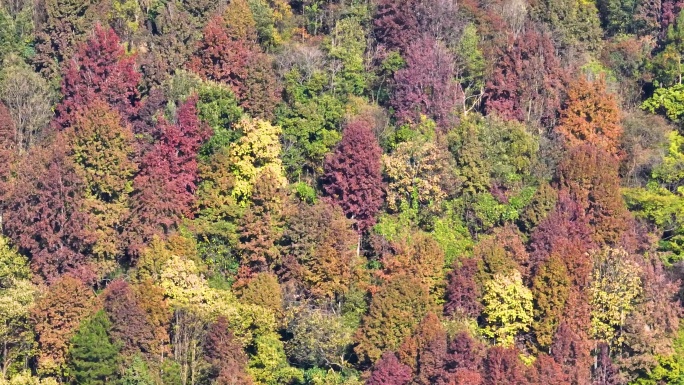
(427, 85)
(44, 211)
(389, 371)
(528, 82)
(353, 176)
(164, 188)
(101, 69)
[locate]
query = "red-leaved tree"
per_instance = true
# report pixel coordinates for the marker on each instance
(669, 11)
(225, 355)
(590, 176)
(353, 176)
(605, 372)
(44, 211)
(129, 321)
(220, 58)
(389, 371)
(566, 235)
(425, 351)
(427, 85)
(7, 146)
(101, 69)
(571, 349)
(164, 188)
(504, 367)
(396, 23)
(546, 371)
(462, 292)
(463, 364)
(528, 82)
(229, 58)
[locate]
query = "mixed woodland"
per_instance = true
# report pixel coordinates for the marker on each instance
(342, 192)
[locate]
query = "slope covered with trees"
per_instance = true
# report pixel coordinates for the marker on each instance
(343, 192)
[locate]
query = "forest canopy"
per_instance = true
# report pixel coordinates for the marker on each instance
(341, 192)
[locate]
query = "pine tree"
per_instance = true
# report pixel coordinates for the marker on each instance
(137, 373)
(320, 245)
(63, 25)
(93, 356)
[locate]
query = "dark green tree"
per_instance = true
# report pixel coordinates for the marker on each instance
(618, 15)
(93, 355)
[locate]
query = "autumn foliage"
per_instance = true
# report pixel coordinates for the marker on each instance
(57, 316)
(230, 57)
(164, 189)
(528, 81)
(130, 325)
(591, 116)
(389, 371)
(388, 192)
(225, 355)
(426, 86)
(48, 199)
(462, 291)
(100, 69)
(353, 174)
(589, 174)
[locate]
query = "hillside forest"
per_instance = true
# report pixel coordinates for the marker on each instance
(341, 192)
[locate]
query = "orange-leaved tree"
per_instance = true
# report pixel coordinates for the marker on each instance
(591, 115)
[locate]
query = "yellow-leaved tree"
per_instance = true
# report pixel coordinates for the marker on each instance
(254, 326)
(615, 289)
(420, 173)
(256, 151)
(16, 298)
(507, 307)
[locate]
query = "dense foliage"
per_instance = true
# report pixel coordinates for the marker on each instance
(381, 192)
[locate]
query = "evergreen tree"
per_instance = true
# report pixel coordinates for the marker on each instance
(93, 356)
